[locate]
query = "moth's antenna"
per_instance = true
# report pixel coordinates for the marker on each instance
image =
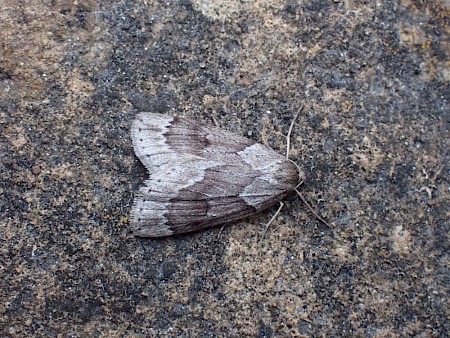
(288, 146)
(304, 199)
(288, 137)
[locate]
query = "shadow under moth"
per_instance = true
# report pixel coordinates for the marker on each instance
(201, 176)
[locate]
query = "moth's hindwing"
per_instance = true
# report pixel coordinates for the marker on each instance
(201, 176)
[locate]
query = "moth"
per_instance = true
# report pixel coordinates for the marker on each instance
(201, 176)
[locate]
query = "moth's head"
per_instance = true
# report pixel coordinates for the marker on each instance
(300, 173)
(289, 175)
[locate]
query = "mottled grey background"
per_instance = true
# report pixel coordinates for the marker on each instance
(373, 138)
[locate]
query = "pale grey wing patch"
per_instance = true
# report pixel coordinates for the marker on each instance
(149, 142)
(148, 217)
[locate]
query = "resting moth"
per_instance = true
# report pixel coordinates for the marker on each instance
(201, 176)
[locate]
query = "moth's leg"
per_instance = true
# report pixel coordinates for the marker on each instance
(310, 208)
(288, 146)
(217, 125)
(272, 219)
(221, 230)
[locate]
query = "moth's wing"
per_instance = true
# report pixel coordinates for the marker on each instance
(159, 139)
(159, 211)
(201, 176)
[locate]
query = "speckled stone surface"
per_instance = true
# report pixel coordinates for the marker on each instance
(373, 138)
